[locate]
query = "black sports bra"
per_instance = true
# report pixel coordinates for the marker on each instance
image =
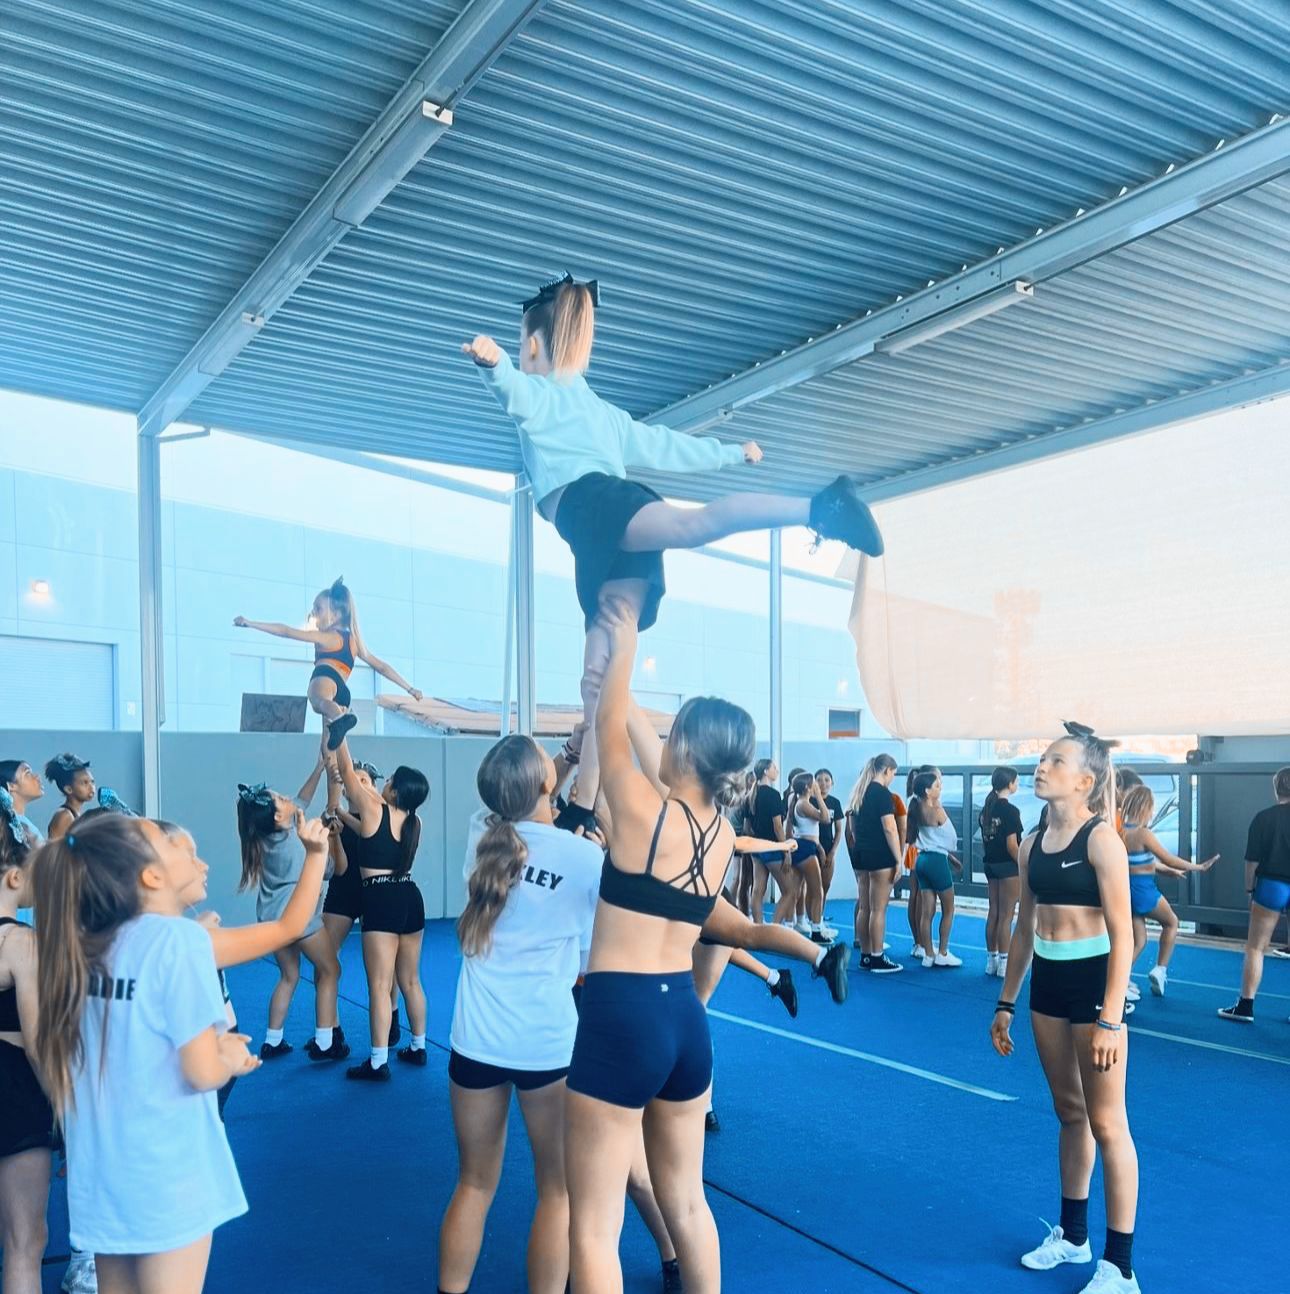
(9, 1021)
(380, 852)
(342, 655)
(685, 897)
(1066, 878)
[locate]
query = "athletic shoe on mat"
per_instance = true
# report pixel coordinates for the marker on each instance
(1158, 977)
(339, 1049)
(1235, 1013)
(786, 991)
(412, 1055)
(1108, 1279)
(338, 728)
(838, 512)
(884, 966)
(917, 951)
(948, 959)
(364, 1073)
(273, 1051)
(1056, 1250)
(833, 969)
(1133, 993)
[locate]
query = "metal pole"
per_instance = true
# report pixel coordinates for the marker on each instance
(150, 621)
(508, 649)
(525, 656)
(776, 648)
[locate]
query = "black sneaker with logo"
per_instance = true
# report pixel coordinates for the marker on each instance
(838, 512)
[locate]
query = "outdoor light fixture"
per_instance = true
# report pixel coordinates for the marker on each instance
(231, 344)
(956, 317)
(392, 159)
(40, 588)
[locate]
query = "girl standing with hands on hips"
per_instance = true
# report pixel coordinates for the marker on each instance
(337, 645)
(132, 1046)
(1075, 921)
(577, 449)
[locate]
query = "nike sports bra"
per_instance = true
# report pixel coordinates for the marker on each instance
(685, 897)
(1066, 878)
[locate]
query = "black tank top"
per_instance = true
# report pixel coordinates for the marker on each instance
(685, 897)
(1066, 878)
(380, 852)
(9, 1021)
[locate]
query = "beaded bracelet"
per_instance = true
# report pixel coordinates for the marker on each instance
(1009, 1007)
(1111, 1028)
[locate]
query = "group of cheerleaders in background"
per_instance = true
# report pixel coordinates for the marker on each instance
(591, 942)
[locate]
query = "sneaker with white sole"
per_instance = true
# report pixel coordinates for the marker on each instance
(917, 952)
(928, 961)
(1109, 1279)
(991, 963)
(1002, 969)
(1133, 993)
(803, 927)
(1158, 977)
(947, 959)
(1056, 1250)
(828, 931)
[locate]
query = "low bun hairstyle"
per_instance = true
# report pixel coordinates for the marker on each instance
(714, 740)
(510, 781)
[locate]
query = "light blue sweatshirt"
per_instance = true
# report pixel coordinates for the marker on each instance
(567, 430)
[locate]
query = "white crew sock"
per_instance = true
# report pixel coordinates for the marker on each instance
(820, 956)
(380, 1056)
(272, 1037)
(322, 1038)
(772, 979)
(418, 1042)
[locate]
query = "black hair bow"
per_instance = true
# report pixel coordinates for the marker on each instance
(548, 290)
(12, 821)
(1081, 730)
(258, 794)
(113, 803)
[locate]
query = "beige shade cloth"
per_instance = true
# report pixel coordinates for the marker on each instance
(1141, 586)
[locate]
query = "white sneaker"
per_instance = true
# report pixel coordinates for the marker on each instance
(928, 961)
(991, 963)
(828, 931)
(1133, 993)
(917, 951)
(1002, 971)
(803, 927)
(80, 1277)
(1158, 978)
(1108, 1279)
(1055, 1251)
(947, 959)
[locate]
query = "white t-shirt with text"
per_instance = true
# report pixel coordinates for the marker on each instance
(148, 1165)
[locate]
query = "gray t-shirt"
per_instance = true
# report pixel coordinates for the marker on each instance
(284, 860)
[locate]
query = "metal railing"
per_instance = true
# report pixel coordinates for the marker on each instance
(1201, 810)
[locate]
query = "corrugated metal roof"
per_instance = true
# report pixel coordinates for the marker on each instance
(740, 175)
(152, 152)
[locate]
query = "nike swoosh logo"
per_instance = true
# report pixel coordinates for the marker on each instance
(1076, 863)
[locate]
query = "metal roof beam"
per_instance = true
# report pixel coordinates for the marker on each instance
(407, 127)
(1230, 169)
(1252, 388)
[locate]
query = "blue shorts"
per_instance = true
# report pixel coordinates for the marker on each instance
(1272, 894)
(1144, 894)
(807, 848)
(934, 872)
(641, 1038)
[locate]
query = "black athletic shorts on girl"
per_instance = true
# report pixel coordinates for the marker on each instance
(592, 517)
(641, 1038)
(345, 892)
(26, 1120)
(343, 697)
(1068, 980)
(392, 904)
(476, 1075)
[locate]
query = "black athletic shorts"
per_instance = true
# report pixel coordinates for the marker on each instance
(1068, 990)
(476, 1075)
(392, 905)
(343, 697)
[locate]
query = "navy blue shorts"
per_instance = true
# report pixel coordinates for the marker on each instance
(477, 1075)
(641, 1038)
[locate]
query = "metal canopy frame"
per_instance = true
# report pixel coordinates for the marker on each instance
(1226, 172)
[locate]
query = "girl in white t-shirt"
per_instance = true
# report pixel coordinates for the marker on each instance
(132, 1043)
(531, 903)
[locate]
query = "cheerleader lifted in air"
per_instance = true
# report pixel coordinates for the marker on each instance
(577, 449)
(337, 645)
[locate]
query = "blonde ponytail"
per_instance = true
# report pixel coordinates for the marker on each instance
(573, 329)
(499, 863)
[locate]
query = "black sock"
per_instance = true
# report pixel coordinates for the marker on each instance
(1119, 1250)
(1075, 1220)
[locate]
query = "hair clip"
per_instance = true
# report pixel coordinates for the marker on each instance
(258, 794)
(6, 800)
(548, 290)
(1074, 729)
(16, 830)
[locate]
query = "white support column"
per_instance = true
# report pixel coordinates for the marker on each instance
(776, 647)
(525, 621)
(150, 620)
(508, 649)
